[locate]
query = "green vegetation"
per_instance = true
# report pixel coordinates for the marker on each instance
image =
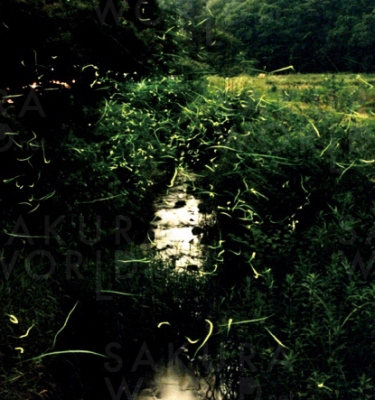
(98, 116)
(313, 36)
(284, 162)
(289, 182)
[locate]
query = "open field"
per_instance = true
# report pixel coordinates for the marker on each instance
(308, 91)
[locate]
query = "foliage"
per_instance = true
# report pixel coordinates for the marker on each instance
(284, 184)
(313, 36)
(288, 284)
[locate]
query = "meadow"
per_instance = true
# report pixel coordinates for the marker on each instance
(283, 307)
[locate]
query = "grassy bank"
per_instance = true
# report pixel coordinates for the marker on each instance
(291, 182)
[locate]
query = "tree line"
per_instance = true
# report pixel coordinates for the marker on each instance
(311, 35)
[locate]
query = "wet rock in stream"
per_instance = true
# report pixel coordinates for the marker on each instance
(180, 203)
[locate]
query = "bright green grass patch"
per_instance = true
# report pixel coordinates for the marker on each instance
(353, 94)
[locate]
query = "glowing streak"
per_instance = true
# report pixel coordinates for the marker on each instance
(258, 194)
(13, 318)
(230, 320)
(49, 195)
(237, 254)
(66, 321)
(23, 236)
(329, 144)
(314, 127)
(20, 349)
(211, 328)
(173, 177)
(222, 147)
(283, 69)
(66, 352)
(303, 186)
(238, 193)
(119, 293)
(163, 323)
(247, 187)
(358, 77)
(34, 209)
(102, 199)
(245, 322)
(209, 273)
(257, 274)
(153, 243)
(27, 332)
(24, 159)
(200, 23)
(11, 179)
(191, 340)
(217, 247)
(343, 172)
(275, 338)
(44, 155)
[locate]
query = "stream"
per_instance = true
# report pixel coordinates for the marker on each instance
(173, 383)
(174, 237)
(177, 214)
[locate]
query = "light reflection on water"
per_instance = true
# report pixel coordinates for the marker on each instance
(174, 383)
(177, 213)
